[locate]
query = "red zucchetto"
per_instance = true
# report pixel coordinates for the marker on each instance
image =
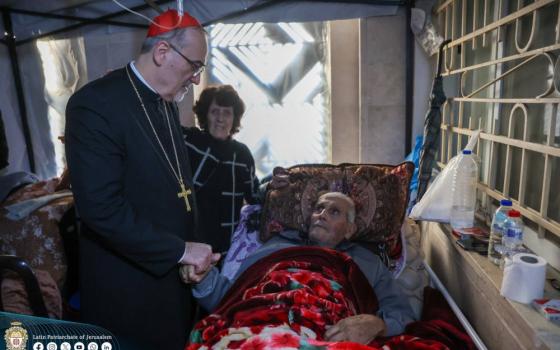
(169, 20)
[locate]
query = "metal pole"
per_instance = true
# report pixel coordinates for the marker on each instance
(409, 92)
(11, 44)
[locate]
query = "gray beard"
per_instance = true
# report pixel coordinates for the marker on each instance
(181, 94)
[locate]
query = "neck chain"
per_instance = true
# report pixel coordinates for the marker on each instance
(178, 175)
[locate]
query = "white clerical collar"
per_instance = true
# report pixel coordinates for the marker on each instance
(139, 76)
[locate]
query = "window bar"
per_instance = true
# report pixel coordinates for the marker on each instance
(449, 33)
(539, 51)
(509, 100)
(547, 169)
(558, 26)
(474, 20)
(517, 25)
(443, 156)
(498, 17)
(492, 174)
(523, 174)
(556, 76)
(443, 6)
(463, 31)
(460, 124)
(501, 76)
(529, 213)
(450, 134)
(503, 21)
(531, 146)
(484, 22)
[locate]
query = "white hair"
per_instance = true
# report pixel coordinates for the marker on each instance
(351, 214)
(175, 37)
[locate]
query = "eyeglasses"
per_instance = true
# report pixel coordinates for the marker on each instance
(197, 66)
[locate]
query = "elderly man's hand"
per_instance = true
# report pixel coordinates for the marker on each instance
(200, 256)
(359, 329)
(188, 274)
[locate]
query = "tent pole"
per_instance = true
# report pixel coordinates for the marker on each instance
(409, 92)
(11, 43)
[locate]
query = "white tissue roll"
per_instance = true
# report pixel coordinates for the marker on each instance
(524, 278)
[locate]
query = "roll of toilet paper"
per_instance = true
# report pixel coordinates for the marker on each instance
(524, 277)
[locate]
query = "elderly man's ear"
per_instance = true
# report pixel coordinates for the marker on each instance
(350, 230)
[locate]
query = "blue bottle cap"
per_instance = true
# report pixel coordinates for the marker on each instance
(506, 202)
(467, 151)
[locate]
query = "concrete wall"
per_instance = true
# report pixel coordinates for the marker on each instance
(368, 67)
(382, 89)
(345, 111)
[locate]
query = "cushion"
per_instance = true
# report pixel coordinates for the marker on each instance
(380, 193)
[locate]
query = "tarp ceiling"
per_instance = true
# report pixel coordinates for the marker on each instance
(28, 22)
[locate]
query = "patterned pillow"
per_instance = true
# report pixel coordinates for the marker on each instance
(380, 193)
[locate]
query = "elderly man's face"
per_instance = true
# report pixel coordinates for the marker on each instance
(329, 221)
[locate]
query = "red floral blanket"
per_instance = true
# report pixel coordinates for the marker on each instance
(287, 300)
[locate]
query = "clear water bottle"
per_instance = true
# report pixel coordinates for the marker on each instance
(512, 239)
(495, 247)
(465, 178)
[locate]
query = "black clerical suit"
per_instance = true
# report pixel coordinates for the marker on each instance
(134, 224)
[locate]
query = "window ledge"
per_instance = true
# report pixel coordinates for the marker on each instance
(474, 283)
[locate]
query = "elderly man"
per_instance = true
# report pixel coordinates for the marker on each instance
(132, 183)
(331, 225)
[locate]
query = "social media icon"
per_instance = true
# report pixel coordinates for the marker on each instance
(38, 346)
(79, 346)
(65, 346)
(93, 346)
(106, 346)
(51, 346)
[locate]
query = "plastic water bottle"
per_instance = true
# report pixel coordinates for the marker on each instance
(495, 247)
(513, 233)
(465, 178)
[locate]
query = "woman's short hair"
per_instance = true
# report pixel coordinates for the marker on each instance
(225, 96)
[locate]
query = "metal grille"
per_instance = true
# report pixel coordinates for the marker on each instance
(502, 58)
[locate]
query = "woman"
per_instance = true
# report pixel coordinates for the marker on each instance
(223, 169)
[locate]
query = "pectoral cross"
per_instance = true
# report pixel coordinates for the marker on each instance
(184, 193)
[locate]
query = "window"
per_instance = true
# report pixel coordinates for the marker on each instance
(503, 58)
(279, 72)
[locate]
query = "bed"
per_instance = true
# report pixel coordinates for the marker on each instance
(440, 322)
